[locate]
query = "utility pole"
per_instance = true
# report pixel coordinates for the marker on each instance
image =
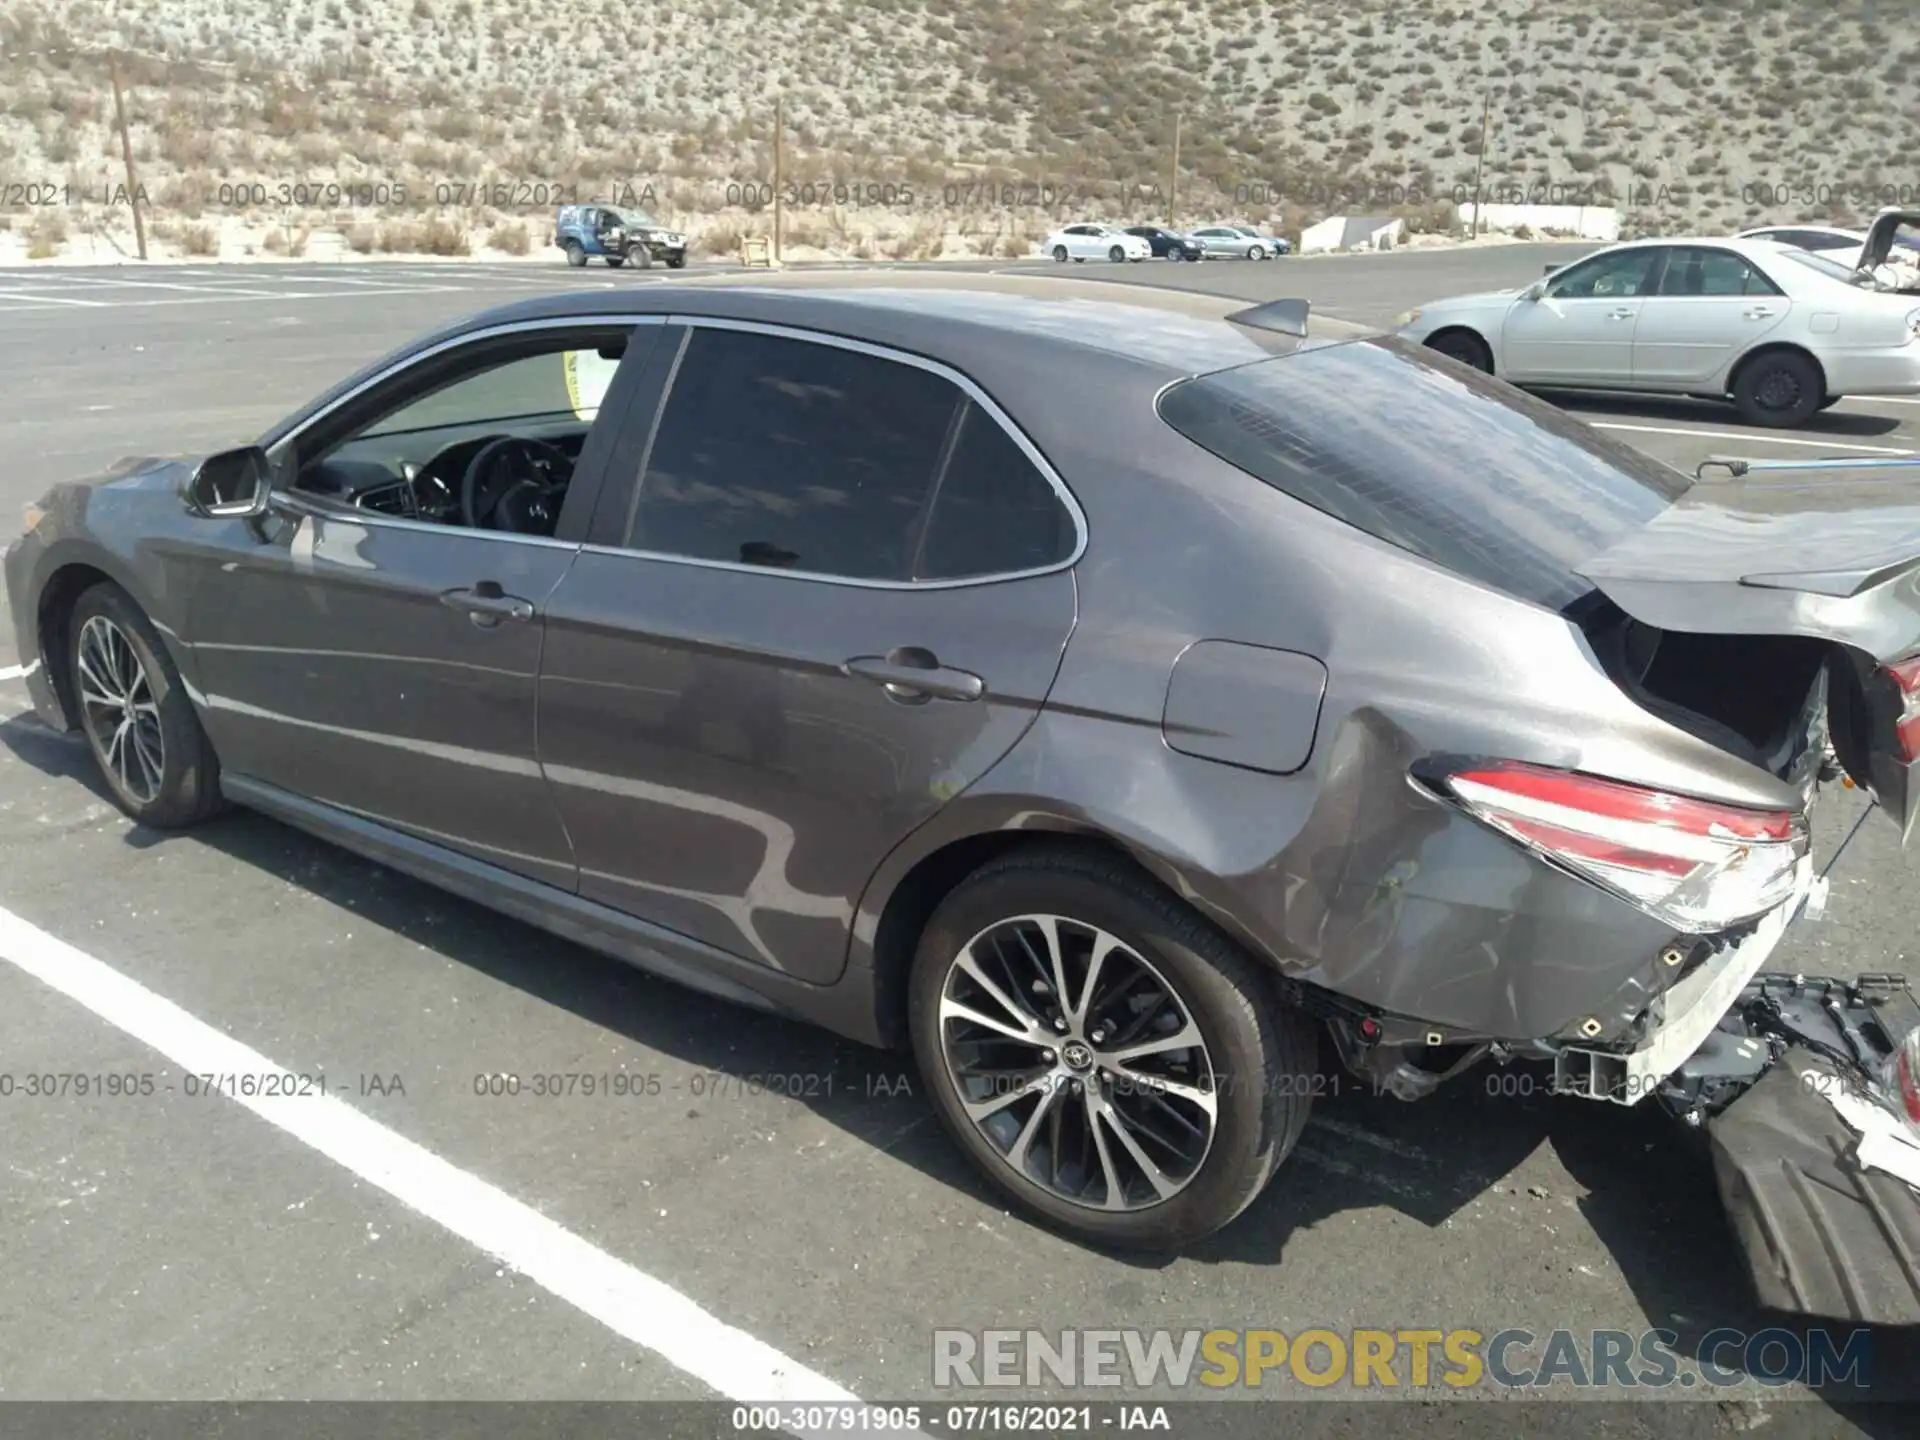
(779, 173)
(1479, 171)
(1173, 189)
(126, 151)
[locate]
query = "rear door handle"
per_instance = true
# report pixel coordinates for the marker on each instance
(1759, 312)
(913, 674)
(486, 604)
(1620, 314)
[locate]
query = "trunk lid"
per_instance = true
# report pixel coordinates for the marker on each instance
(1883, 236)
(1826, 550)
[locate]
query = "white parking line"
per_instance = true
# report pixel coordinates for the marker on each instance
(12, 672)
(1746, 437)
(31, 302)
(632, 1304)
(38, 299)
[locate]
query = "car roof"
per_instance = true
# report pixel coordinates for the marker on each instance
(1759, 231)
(965, 318)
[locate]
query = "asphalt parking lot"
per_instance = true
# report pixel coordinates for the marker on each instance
(772, 1209)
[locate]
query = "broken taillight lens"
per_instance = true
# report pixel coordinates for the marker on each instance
(1903, 1073)
(1693, 864)
(1906, 678)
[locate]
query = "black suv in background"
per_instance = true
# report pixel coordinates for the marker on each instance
(1168, 244)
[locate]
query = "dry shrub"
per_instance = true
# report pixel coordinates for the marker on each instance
(437, 236)
(200, 240)
(510, 239)
(722, 239)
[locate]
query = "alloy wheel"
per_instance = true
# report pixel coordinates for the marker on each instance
(1078, 1063)
(121, 713)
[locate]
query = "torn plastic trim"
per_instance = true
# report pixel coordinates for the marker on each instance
(1690, 1012)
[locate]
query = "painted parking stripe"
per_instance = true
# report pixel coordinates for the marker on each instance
(12, 672)
(228, 289)
(37, 298)
(632, 1304)
(24, 303)
(1745, 437)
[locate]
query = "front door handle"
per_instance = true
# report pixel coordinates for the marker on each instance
(1620, 314)
(913, 674)
(486, 604)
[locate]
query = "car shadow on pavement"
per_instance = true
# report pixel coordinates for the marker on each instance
(1446, 1163)
(1838, 424)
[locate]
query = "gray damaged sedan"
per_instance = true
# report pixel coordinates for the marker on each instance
(1138, 706)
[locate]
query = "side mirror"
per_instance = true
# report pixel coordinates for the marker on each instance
(1534, 291)
(235, 484)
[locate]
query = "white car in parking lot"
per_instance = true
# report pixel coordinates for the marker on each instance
(1780, 331)
(1092, 241)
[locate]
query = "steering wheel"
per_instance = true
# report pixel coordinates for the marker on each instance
(508, 485)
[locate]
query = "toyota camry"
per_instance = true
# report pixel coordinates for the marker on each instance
(1131, 702)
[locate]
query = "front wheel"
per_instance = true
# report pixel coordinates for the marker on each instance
(1464, 346)
(1060, 254)
(1117, 255)
(1254, 252)
(616, 261)
(1108, 1059)
(676, 262)
(641, 257)
(1780, 390)
(158, 763)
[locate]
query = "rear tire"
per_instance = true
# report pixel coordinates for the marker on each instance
(616, 261)
(1215, 1116)
(1464, 346)
(1780, 389)
(576, 256)
(146, 739)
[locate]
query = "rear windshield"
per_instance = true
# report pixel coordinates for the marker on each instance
(1426, 454)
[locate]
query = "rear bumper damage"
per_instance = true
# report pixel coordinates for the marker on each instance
(1810, 1154)
(1809, 1159)
(1816, 1165)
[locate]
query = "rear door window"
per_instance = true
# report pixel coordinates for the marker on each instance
(995, 513)
(1451, 465)
(794, 455)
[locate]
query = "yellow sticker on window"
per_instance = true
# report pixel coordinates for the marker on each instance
(588, 375)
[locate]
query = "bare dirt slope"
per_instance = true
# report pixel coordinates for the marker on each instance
(899, 111)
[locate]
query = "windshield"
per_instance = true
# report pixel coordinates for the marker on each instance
(1469, 473)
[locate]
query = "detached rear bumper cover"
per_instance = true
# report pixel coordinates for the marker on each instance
(1690, 1012)
(1823, 1236)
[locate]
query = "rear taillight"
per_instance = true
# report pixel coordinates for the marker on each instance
(1903, 1080)
(1693, 864)
(1905, 675)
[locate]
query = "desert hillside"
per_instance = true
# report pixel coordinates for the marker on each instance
(915, 128)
